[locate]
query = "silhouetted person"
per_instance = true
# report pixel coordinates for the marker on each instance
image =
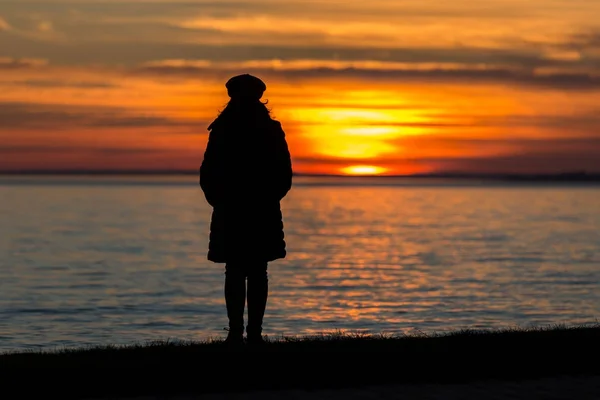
(245, 174)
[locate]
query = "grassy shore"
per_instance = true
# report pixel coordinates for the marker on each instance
(337, 360)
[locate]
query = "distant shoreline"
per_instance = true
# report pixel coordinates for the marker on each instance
(565, 177)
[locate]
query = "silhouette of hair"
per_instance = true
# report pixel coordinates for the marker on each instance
(237, 109)
(245, 92)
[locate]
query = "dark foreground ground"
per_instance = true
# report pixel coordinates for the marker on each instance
(564, 358)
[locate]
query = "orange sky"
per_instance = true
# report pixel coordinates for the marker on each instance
(360, 87)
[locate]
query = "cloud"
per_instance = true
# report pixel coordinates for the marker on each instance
(49, 117)
(568, 123)
(326, 8)
(572, 126)
(572, 146)
(130, 32)
(4, 26)
(45, 26)
(525, 162)
(46, 83)
(378, 71)
(21, 63)
(582, 41)
(108, 51)
(328, 22)
(133, 121)
(563, 81)
(90, 150)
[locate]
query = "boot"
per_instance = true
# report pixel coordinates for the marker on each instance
(235, 298)
(235, 338)
(258, 290)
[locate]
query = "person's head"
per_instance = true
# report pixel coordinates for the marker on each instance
(245, 88)
(245, 92)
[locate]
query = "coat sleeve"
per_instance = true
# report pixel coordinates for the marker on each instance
(284, 172)
(209, 170)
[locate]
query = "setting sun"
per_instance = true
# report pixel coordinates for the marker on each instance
(363, 170)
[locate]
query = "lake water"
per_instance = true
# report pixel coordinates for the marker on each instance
(123, 260)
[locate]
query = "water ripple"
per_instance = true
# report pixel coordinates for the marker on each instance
(106, 263)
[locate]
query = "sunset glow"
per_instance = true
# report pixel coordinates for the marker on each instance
(500, 86)
(363, 170)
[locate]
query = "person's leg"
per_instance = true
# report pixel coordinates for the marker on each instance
(235, 299)
(258, 290)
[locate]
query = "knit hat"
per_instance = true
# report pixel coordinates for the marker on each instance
(245, 86)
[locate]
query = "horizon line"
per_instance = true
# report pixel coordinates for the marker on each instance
(569, 175)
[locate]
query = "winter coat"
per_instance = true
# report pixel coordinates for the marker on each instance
(245, 174)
